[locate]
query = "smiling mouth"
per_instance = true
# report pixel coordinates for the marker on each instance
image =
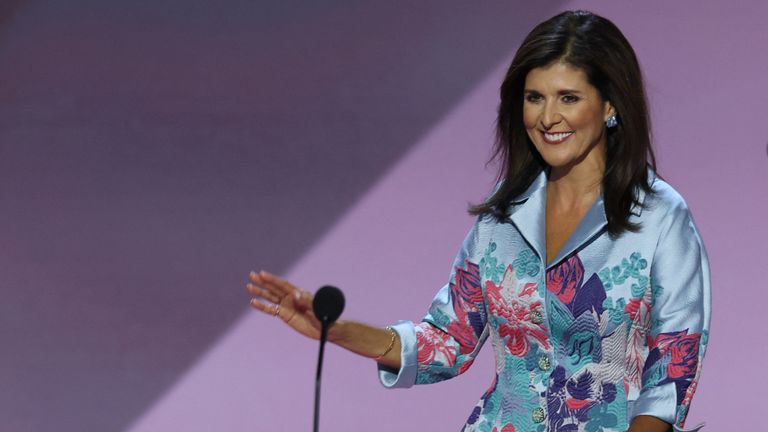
(555, 137)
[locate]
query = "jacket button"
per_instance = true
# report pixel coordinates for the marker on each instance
(538, 415)
(544, 363)
(536, 316)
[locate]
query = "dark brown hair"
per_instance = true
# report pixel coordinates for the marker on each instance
(596, 46)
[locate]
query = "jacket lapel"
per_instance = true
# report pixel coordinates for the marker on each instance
(529, 217)
(591, 225)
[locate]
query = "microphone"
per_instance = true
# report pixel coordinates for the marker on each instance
(328, 304)
(327, 307)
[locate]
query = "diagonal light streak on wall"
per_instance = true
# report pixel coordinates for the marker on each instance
(390, 253)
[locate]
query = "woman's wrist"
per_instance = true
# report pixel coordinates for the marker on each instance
(392, 337)
(380, 344)
(337, 332)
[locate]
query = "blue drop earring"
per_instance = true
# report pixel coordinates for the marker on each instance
(612, 122)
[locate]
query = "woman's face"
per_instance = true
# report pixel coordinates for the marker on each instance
(564, 116)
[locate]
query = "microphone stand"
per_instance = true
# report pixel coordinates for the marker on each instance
(323, 337)
(327, 306)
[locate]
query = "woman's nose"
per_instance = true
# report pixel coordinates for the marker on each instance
(550, 116)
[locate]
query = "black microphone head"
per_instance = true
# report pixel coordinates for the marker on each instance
(328, 304)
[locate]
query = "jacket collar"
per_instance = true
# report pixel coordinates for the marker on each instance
(528, 215)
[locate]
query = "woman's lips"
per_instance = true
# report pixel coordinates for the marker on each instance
(555, 137)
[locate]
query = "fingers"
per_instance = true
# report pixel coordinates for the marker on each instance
(275, 310)
(263, 293)
(275, 284)
(278, 293)
(275, 290)
(270, 309)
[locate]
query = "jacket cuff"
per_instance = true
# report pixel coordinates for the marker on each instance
(406, 376)
(693, 429)
(660, 402)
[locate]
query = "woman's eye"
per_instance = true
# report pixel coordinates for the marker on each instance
(531, 97)
(570, 99)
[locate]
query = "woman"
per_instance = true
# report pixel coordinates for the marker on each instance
(583, 267)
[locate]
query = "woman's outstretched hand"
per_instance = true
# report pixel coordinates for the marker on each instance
(278, 297)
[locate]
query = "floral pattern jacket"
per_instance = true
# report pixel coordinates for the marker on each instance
(611, 329)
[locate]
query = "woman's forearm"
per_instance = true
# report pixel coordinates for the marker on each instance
(367, 341)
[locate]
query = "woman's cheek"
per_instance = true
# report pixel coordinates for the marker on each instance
(529, 120)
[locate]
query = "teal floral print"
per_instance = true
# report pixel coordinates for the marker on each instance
(489, 265)
(526, 264)
(631, 267)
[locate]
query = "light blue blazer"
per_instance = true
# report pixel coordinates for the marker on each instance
(611, 329)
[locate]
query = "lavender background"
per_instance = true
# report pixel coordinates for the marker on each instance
(152, 152)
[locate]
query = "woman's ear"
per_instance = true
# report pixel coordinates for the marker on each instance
(608, 111)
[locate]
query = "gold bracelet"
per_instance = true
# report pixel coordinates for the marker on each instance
(391, 344)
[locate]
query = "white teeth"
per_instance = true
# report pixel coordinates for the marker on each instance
(557, 136)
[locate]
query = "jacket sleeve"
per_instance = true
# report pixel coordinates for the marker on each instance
(680, 315)
(449, 337)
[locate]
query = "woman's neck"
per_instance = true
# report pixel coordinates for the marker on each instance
(575, 187)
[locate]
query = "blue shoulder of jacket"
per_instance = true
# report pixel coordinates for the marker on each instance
(665, 200)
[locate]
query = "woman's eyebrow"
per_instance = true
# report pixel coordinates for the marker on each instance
(559, 92)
